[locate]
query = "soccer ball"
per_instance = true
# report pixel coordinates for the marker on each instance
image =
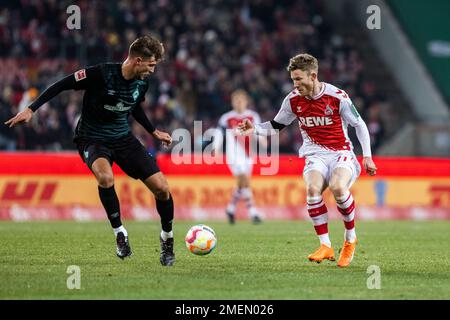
(200, 239)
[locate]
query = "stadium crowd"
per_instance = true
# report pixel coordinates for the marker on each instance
(212, 47)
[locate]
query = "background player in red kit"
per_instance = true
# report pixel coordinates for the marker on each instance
(238, 153)
(323, 112)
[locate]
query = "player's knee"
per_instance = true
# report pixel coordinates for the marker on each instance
(105, 179)
(313, 191)
(243, 183)
(162, 192)
(338, 189)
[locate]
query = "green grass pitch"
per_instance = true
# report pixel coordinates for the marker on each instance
(266, 261)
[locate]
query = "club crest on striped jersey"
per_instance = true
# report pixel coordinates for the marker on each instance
(328, 110)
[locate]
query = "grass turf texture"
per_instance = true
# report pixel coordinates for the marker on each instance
(266, 261)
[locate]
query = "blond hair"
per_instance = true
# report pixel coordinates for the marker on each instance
(304, 62)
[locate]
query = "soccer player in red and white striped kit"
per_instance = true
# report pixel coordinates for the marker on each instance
(323, 112)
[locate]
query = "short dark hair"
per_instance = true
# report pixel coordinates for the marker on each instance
(304, 62)
(147, 47)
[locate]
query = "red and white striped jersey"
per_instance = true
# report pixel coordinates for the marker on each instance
(237, 146)
(322, 120)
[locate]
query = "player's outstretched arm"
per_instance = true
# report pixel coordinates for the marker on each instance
(246, 127)
(76, 81)
(267, 128)
(25, 115)
(22, 116)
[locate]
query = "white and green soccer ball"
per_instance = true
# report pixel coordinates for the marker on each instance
(200, 239)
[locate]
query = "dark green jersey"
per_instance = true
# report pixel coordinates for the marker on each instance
(107, 102)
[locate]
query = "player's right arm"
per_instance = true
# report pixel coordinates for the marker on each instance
(351, 116)
(79, 80)
(284, 117)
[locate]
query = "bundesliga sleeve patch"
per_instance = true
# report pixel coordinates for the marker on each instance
(80, 74)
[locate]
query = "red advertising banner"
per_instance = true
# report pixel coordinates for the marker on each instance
(60, 186)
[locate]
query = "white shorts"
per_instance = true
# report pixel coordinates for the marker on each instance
(241, 167)
(326, 164)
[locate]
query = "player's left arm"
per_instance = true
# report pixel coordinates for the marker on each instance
(284, 117)
(140, 116)
(351, 116)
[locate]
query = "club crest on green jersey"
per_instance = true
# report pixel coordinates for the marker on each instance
(136, 94)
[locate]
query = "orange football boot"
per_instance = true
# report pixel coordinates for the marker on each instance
(347, 253)
(324, 252)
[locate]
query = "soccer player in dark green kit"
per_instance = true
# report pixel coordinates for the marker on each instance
(113, 91)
